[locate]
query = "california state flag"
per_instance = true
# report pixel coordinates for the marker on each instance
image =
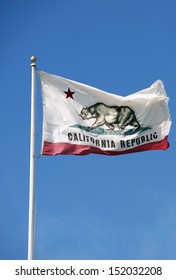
(79, 119)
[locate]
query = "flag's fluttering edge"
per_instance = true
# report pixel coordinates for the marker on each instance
(79, 119)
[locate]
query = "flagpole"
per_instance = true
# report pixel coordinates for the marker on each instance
(32, 163)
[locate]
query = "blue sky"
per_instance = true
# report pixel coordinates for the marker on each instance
(89, 207)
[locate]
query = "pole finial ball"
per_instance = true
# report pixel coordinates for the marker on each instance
(33, 59)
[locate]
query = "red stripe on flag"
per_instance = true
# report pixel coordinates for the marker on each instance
(52, 149)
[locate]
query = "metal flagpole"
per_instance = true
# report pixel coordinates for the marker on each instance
(32, 163)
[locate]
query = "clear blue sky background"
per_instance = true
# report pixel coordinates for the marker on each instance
(90, 207)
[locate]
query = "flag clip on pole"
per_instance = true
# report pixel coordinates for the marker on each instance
(32, 163)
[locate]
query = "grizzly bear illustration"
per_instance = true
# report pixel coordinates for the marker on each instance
(122, 116)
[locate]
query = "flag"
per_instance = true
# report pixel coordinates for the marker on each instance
(79, 119)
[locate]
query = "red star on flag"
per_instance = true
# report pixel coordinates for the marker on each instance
(69, 93)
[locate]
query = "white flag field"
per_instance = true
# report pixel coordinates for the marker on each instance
(79, 119)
